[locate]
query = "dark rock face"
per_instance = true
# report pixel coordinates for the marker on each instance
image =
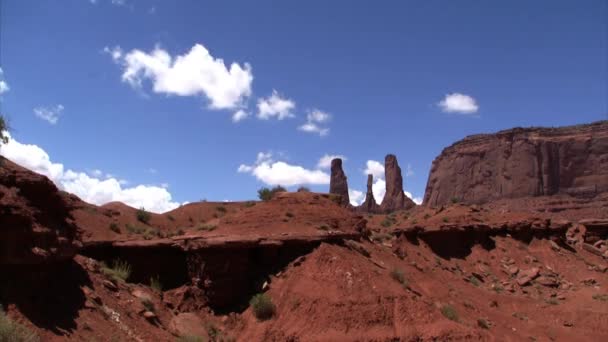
(522, 162)
(35, 222)
(394, 199)
(338, 184)
(369, 205)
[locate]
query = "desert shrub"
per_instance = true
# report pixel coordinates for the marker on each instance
(171, 218)
(323, 227)
(399, 277)
(427, 216)
(262, 306)
(289, 214)
(266, 194)
(148, 304)
(552, 301)
(120, 270)
(386, 223)
(206, 227)
(449, 312)
(336, 198)
(155, 284)
(11, 331)
(601, 297)
(445, 219)
(380, 237)
(455, 200)
(221, 209)
(249, 204)
(482, 323)
(142, 215)
(190, 338)
(303, 189)
(114, 227)
(414, 221)
(473, 280)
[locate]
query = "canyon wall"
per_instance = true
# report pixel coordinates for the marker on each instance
(521, 162)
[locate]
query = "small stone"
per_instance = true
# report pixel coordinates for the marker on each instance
(525, 277)
(554, 246)
(568, 324)
(110, 285)
(149, 315)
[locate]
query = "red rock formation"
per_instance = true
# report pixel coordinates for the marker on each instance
(338, 184)
(395, 198)
(522, 162)
(35, 224)
(369, 205)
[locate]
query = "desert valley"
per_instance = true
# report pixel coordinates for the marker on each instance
(509, 244)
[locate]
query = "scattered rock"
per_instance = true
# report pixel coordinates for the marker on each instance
(525, 277)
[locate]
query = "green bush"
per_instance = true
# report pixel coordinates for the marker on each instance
(482, 323)
(115, 228)
(249, 204)
(399, 277)
(601, 297)
(14, 332)
(445, 219)
(120, 270)
(266, 194)
(449, 312)
(142, 215)
(303, 189)
(455, 200)
(221, 209)
(155, 284)
(262, 306)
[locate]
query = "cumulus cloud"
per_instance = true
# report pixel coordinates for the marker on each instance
(3, 85)
(50, 114)
(314, 121)
(272, 172)
(91, 187)
(458, 103)
(194, 73)
(325, 161)
(356, 197)
(239, 115)
(275, 106)
(417, 200)
(374, 168)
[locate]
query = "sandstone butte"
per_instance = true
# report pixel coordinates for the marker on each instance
(510, 244)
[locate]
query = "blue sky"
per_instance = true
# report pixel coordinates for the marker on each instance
(145, 92)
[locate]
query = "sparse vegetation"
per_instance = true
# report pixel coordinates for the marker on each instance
(11, 331)
(221, 209)
(473, 280)
(552, 301)
(206, 227)
(427, 216)
(155, 284)
(482, 323)
(142, 215)
(399, 277)
(303, 189)
(148, 304)
(190, 338)
(449, 312)
(266, 194)
(289, 214)
(262, 306)
(249, 204)
(601, 297)
(380, 237)
(336, 198)
(445, 219)
(455, 200)
(120, 270)
(323, 227)
(171, 218)
(115, 228)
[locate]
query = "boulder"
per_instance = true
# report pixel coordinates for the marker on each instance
(526, 276)
(338, 184)
(188, 324)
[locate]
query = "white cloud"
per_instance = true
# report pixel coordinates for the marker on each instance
(195, 73)
(314, 119)
(275, 106)
(239, 115)
(273, 172)
(356, 197)
(409, 172)
(3, 85)
(417, 200)
(90, 188)
(374, 168)
(50, 114)
(325, 161)
(119, 2)
(458, 103)
(379, 189)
